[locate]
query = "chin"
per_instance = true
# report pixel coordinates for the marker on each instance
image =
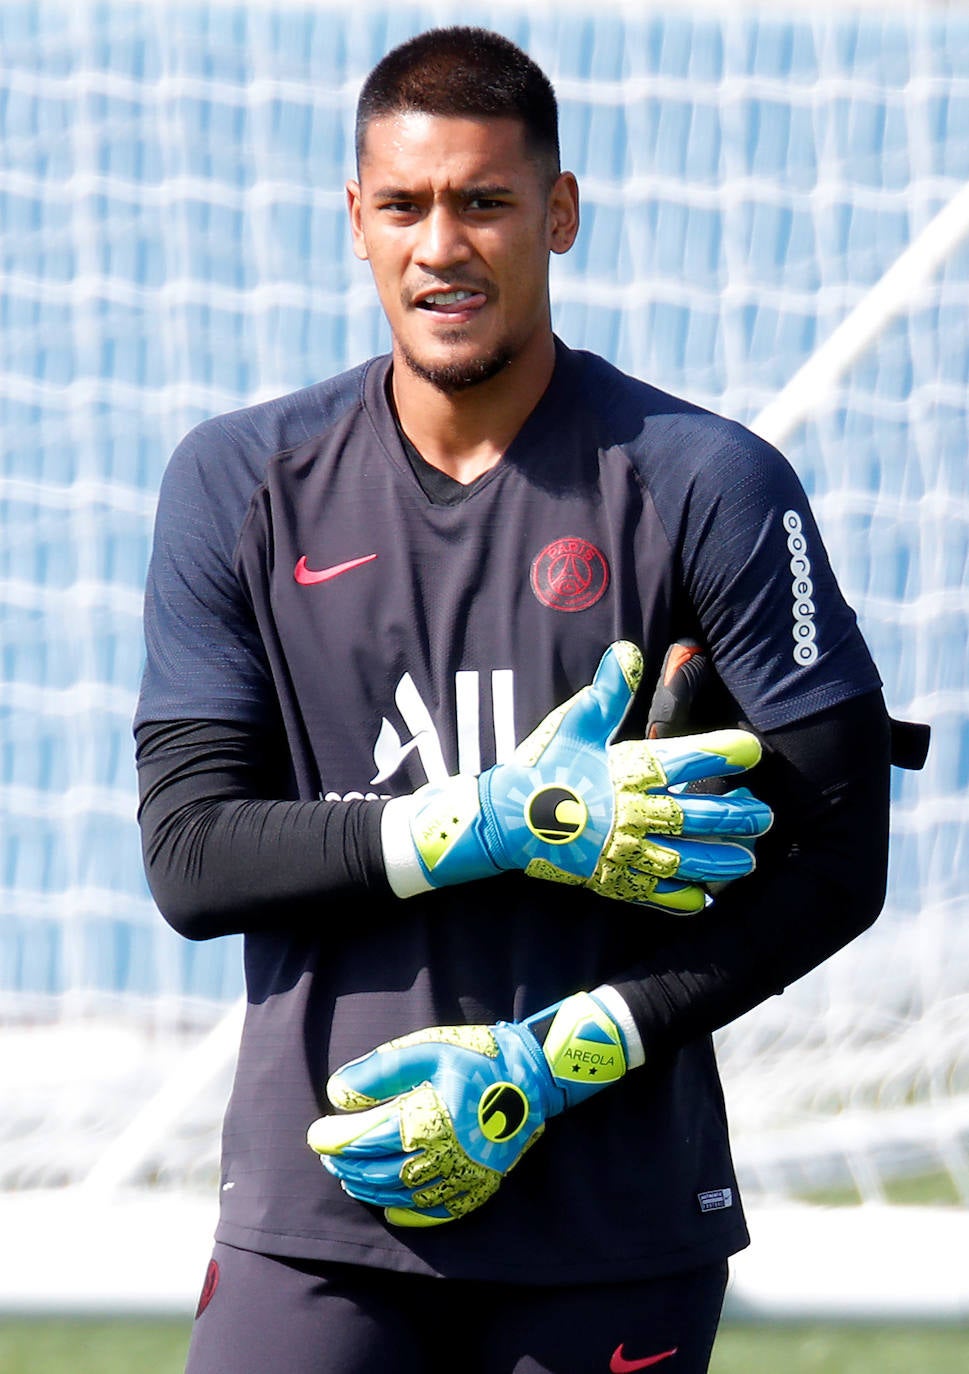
(459, 374)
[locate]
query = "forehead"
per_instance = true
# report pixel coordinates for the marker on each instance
(412, 147)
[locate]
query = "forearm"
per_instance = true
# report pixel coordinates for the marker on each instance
(820, 882)
(220, 855)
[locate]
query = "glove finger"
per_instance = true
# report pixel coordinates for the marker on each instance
(438, 1195)
(719, 862)
(675, 898)
(364, 1133)
(360, 1082)
(381, 1184)
(718, 753)
(600, 709)
(380, 1172)
(593, 716)
(383, 1073)
(686, 672)
(375, 1195)
(443, 1200)
(413, 1217)
(377, 1192)
(737, 814)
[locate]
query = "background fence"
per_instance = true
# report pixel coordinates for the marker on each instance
(774, 225)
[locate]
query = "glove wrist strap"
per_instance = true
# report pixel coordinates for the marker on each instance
(433, 838)
(405, 873)
(583, 1047)
(615, 1005)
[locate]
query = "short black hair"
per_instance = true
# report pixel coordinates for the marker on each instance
(463, 72)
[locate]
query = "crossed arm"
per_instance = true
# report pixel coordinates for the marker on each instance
(416, 1138)
(221, 858)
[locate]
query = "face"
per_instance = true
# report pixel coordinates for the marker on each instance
(457, 221)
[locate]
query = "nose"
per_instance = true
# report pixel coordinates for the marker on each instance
(443, 242)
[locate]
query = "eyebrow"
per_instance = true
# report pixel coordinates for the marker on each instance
(474, 191)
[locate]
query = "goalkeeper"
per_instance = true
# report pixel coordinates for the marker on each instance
(403, 631)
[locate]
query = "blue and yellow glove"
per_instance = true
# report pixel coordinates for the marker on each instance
(437, 1119)
(573, 807)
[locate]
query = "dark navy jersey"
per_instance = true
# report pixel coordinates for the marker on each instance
(305, 583)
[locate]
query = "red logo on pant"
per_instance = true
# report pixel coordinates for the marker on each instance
(208, 1288)
(620, 1365)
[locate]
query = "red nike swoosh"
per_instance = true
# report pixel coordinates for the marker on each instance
(620, 1365)
(308, 577)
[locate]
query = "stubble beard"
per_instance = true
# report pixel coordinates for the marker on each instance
(451, 378)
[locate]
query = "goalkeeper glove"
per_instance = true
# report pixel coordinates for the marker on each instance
(438, 1118)
(575, 808)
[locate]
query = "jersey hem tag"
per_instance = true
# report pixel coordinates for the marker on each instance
(715, 1199)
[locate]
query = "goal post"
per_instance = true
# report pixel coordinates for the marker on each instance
(775, 214)
(895, 293)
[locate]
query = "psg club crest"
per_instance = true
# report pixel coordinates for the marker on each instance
(570, 575)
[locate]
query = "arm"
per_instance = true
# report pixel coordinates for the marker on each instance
(569, 807)
(434, 1121)
(218, 858)
(747, 545)
(820, 881)
(761, 594)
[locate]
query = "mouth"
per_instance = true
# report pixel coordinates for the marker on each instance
(457, 300)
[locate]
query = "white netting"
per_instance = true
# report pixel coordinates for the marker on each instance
(173, 245)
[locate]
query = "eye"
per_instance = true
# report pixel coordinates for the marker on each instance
(399, 207)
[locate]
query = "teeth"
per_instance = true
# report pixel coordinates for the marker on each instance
(447, 297)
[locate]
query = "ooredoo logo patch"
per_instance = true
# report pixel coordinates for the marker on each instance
(570, 574)
(802, 590)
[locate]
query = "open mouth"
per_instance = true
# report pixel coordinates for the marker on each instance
(453, 302)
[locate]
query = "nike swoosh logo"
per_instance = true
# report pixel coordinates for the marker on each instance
(620, 1365)
(309, 577)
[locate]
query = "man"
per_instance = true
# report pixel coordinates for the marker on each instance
(391, 728)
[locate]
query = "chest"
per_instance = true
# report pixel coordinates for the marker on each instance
(415, 640)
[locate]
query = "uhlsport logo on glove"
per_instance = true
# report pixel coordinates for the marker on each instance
(434, 1120)
(502, 1112)
(572, 806)
(556, 814)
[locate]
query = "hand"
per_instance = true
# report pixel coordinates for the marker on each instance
(438, 1118)
(573, 807)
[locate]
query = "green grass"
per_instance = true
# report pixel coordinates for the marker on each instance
(782, 1349)
(925, 1190)
(60, 1345)
(64, 1346)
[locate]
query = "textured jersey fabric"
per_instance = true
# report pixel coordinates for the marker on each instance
(304, 583)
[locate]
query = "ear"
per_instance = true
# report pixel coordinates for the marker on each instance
(563, 213)
(356, 220)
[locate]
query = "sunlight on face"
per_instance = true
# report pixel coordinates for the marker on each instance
(457, 220)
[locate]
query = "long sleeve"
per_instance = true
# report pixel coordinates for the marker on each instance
(819, 883)
(219, 858)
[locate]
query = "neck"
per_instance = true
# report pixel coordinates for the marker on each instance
(465, 433)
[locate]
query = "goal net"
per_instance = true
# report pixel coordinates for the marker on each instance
(775, 225)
